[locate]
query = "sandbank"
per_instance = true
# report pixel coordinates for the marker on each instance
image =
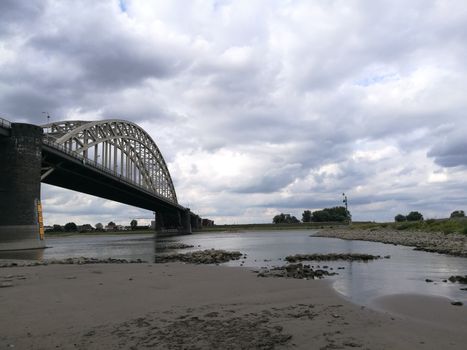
(182, 306)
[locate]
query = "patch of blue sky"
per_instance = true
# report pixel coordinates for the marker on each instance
(122, 5)
(376, 79)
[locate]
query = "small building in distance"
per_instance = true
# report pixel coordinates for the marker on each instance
(207, 223)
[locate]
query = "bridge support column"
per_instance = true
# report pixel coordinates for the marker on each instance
(186, 221)
(20, 188)
(159, 222)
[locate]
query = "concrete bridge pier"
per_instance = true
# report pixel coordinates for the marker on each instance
(20, 185)
(186, 221)
(178, 221)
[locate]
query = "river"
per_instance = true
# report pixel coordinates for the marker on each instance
(405, 272)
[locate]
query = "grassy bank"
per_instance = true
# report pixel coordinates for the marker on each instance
(97, 233)
(269, 227)
(458, 225)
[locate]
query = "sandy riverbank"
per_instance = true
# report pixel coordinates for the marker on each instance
(178, 306)
(452, 244)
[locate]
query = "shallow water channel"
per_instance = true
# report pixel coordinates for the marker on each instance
(404, 272)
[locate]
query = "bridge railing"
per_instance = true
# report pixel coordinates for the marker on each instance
(5, 123)
(93, 163)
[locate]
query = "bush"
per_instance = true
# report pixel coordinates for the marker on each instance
(400, 218)
(71, 227)
(331, 214)
(457, 214)
(285, 219)
(414, 216)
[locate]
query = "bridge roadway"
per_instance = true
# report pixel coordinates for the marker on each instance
(102, 158)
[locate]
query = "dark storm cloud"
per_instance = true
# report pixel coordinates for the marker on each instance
(451, 152)
(15, 14)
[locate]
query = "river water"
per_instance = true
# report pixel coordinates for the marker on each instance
(404, 272)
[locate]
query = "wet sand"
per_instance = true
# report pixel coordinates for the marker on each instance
(182, 306)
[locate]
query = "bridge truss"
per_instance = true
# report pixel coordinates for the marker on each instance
(118, 146)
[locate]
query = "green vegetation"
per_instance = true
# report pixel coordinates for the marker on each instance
(457, 214)
(412, 216)
(285, 219)
(71, 227)
(269, 227)
(335, 214)
(454, 225)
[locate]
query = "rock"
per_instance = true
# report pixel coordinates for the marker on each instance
(6, 284)
(297, 271)
(209, 256)
(459, 279)
(428, 280)
(331, 257)
(457, 303)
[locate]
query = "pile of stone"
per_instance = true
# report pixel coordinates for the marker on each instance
(70, 261)
(459, 279)
(209, 256)
(333, 257)
(298, 271)
(435, 242)
(172, 245)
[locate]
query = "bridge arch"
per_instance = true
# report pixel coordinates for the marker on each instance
(119, 146)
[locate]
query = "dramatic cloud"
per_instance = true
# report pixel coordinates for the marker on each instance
(257, 106)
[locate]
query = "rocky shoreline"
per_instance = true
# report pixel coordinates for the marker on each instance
(333, 257)
(68, 261)
(435, 242)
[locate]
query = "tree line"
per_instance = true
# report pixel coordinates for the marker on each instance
(99, 227)
(416, 216)
(335, 214)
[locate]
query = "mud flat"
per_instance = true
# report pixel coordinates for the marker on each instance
(187, 306)
(437, 242)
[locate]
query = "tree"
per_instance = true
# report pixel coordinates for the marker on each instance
(71, 227)
(400, 218)
(111, 224)
(133, 224)
(457, 214)
(306, 216)
(99, 227)
(339, 214)
(414, 216)
(285, 219)
(57, 228)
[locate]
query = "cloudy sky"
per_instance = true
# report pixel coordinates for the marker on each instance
(259, 107)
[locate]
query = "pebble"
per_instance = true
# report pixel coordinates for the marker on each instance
(457, 303)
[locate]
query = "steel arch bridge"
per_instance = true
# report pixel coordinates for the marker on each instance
(120, 147)
(112, 159)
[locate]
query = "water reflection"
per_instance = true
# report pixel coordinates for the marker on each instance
(404, 272)
(33, 254)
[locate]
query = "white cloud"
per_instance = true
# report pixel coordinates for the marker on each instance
(257, 106)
